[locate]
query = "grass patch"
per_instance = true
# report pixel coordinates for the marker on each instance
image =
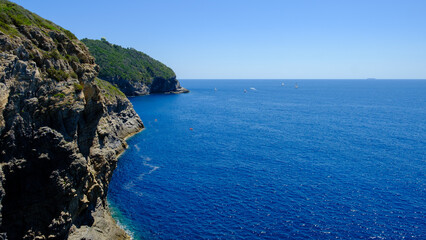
(59, 95)
(72, 58)
(12, 16)
(109, 90)
(74, 75)
(53, 54)
(59, 75)
(69, 34)
(78, 87)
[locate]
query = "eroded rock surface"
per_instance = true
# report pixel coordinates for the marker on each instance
(158, 85)
(61, 130)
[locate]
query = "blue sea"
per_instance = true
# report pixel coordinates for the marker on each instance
(331, 159)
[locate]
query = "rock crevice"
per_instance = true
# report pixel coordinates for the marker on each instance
(61, 130)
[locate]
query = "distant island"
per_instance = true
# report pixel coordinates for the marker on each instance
(134, 72)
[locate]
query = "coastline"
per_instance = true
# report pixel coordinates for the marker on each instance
(118, 155)
(117, 216)
(112, 210)
(105, 226)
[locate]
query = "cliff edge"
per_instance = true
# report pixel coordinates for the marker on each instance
(61, 130)
(132, 71)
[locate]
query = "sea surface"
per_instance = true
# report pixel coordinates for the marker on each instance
(331, 159)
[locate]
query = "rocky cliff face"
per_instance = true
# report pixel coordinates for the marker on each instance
(170, 85)
(61, 130)
(158, 85)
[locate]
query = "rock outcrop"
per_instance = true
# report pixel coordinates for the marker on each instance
(170, 85)
(139, 88)
(132, 71)
(61, 130)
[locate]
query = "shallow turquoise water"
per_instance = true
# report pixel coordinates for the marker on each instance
(331, 159)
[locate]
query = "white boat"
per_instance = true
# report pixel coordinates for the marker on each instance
(282, 84)
(215, 89)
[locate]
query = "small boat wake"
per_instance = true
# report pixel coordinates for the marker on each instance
(152, 169)
(131, 185)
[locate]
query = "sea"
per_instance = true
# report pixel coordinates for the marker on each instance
(276, 159)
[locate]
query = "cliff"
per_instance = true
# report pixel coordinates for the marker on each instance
(61, 130)
(134, 72)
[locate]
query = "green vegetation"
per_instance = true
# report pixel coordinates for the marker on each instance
(74, 75)
(69, 34)
(60, 95)
(78, 87)
(13, 16)
(126, 63)
(72, 58)
(53, 54)
(110, 91)
(59, 75)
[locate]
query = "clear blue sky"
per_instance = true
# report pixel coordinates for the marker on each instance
(258, 39)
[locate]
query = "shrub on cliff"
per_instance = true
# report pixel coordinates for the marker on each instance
(126, 63)
(58, 74)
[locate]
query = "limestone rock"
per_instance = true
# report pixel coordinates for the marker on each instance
(60, 134)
